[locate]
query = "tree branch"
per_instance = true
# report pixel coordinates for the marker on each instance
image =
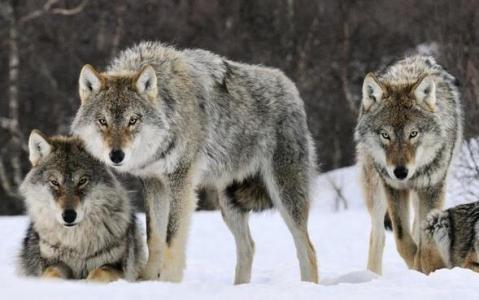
(48, 8)
(4, 181)
(339, 193)
(70, 11)
(7, 124)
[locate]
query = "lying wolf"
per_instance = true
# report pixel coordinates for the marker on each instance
(455, 232)
(185, 120)
(82, 223)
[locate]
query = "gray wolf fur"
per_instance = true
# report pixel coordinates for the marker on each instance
(455, 232)
(408, 131)
(187, 120)
(82, 223)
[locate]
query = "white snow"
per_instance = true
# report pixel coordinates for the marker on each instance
(340, 238)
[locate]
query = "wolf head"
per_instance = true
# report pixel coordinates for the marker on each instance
(62, 179)
(398, 125)
(120, 118)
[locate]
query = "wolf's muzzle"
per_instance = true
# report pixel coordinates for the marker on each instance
(117, 156)
(400, 172)
(69, 216)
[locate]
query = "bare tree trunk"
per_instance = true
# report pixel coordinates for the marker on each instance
(338, 153)
(344, 72)
(346, 49)
(4, 180)
(13, 65)
(303, 51)
(11, 122)
(120, 12)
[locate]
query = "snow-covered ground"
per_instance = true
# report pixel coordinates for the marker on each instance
(341, 240)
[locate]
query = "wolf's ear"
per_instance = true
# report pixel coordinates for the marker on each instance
(425, 92)
(39, 146)
(146, 82)
(89, 82)
(372, 91)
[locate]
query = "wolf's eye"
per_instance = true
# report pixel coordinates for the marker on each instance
(133, 121)
(385, 135)
(83, 181)
(413, 134)
(102, 122)
(54, 184)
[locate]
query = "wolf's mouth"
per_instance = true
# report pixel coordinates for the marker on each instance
(70, 225)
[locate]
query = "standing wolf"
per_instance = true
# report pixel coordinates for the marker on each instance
(82, 223)
(184, 120)
(455, 232)
(409, 128)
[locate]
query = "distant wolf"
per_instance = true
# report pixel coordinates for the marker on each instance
(82, 223)
(409, 129)
(455, 232)
(187, 120)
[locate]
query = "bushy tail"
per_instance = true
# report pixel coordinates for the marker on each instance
(437, 224)
(207, 199)
(437, 228)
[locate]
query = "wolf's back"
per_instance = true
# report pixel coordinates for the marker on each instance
(208, 68)
(153, 53)
(409, 69)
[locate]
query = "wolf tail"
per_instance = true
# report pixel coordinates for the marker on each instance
(438, 228)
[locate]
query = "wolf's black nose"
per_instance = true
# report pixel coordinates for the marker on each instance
(117, 156)
(400, 172)
(69, 216)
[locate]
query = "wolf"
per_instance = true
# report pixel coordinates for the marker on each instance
(408, 132)
(82, 223)
(455, 233)
(187, 120)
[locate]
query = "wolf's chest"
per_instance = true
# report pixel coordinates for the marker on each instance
(81, 252)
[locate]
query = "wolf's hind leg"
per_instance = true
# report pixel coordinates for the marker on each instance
(57, 271)
(104, 274)
(289, 191)
(237, 221)
(375, 200)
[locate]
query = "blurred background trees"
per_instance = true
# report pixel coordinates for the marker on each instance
(325, 46)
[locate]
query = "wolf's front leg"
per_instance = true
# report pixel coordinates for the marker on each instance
(398, 208)
(157, 208)
(182, 204)
(57, 271)
(376, 203)
(428, 258)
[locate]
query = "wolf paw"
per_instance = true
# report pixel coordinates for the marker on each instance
(150, 273)
(103, 275)
(52, 273)
(58, 271)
